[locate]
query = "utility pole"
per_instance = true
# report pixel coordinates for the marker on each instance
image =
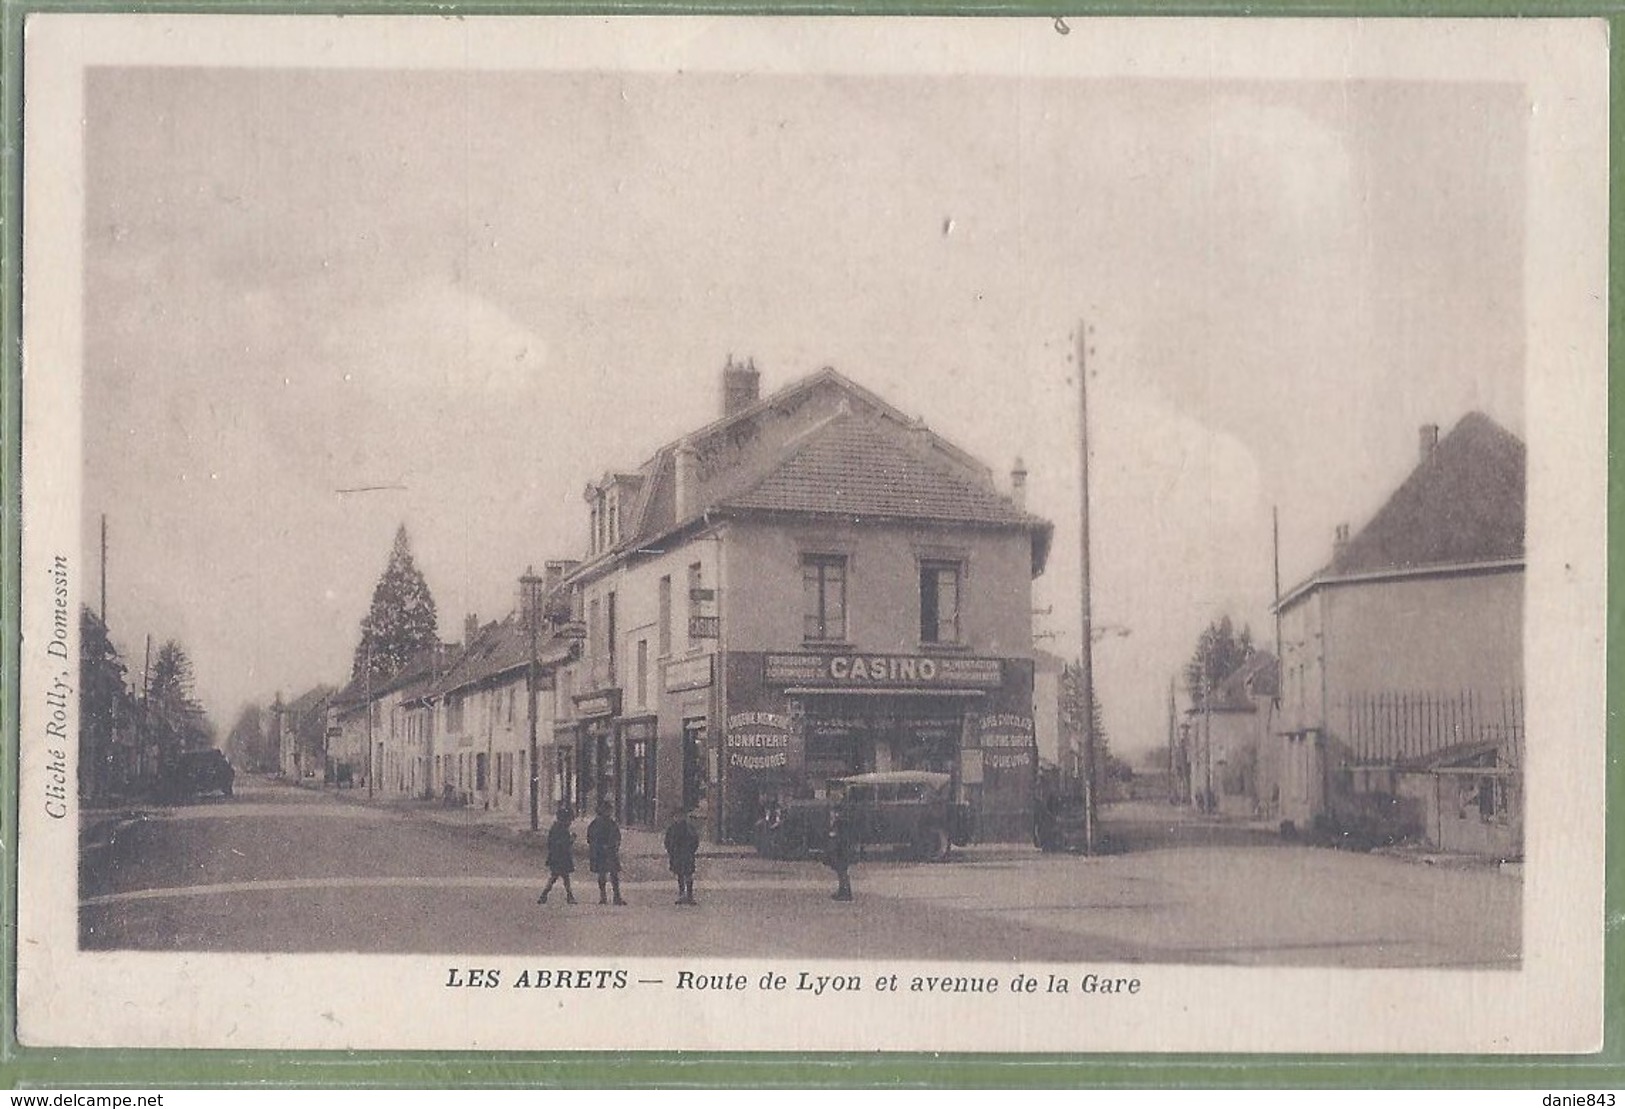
(104, 569)
(1207, 738)
(1086, 676)
(1173, 738)
(146, 719)
(366, 678)
(1275, 529)
(532, 585)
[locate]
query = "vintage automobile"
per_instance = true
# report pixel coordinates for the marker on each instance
(909, 809)
(1059, 822)
(195, 772)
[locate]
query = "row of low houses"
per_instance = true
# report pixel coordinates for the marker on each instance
(1395, 710)
(812, 585)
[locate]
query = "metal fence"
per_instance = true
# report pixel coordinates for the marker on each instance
(1391, 727)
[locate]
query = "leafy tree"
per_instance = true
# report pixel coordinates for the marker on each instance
(175, 720)
(104, 703)
(402, 620)
(1219, 653)
(248, 744)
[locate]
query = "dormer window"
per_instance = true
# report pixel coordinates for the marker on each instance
(604, 524)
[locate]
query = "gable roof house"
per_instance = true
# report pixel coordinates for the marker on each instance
(1232, 755)
(482, 754)
(302, 732)
(1410, 640)
(801, 524)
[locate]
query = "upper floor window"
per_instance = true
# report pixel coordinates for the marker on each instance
(665, 615)
(939, 602)
(696, 606)
(823, 596)
(595, 631)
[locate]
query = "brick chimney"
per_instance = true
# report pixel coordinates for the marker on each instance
(686, 474)
(1340, 542)
(741, 386)
(1430, 440)
(559, 600)
(1018, 483)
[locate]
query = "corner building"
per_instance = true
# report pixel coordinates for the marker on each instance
(815, 585)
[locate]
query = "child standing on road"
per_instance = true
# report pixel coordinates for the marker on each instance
(838, 852)
(604, 852)
(682, 845)
(560, 856)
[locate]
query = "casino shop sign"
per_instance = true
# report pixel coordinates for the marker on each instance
(796, 720)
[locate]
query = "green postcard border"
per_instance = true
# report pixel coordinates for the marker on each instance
(22, 1067)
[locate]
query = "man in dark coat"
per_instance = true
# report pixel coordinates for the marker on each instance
(604, 852)
(560, 856)
(682, 844)
(838, 852)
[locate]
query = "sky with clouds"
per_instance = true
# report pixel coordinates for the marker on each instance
(492, 287)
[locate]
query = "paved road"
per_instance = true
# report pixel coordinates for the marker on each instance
(283, 869)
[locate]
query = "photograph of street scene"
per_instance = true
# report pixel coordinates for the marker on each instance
(642, 513)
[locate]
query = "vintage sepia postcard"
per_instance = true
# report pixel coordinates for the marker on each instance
(997, 535)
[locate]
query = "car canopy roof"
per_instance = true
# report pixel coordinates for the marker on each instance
(883, 777)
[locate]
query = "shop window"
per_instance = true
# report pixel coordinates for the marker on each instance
(694, 763)
(939, 602)
(639, 775)
(823, 592)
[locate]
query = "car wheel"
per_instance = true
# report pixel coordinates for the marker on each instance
(931, 844)
(789, 845)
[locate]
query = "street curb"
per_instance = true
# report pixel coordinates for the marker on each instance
(99, 831)
(425, 813)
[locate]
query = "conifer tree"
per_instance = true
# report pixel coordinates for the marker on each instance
(104, 703)
(175, 718)
(1219, 653)
(1071, 714)
(402, 620)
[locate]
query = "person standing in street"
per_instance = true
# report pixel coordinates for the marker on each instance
(604, 852)
(682, 845)
(838, 851)
(561, 844)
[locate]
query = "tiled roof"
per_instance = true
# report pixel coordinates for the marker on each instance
(1258, 677)
(310, 699)
(773, 454)
(307, 713)
(1463, 504)
(351, 696)
(418, 675)
(500, 648)
(855, 466)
